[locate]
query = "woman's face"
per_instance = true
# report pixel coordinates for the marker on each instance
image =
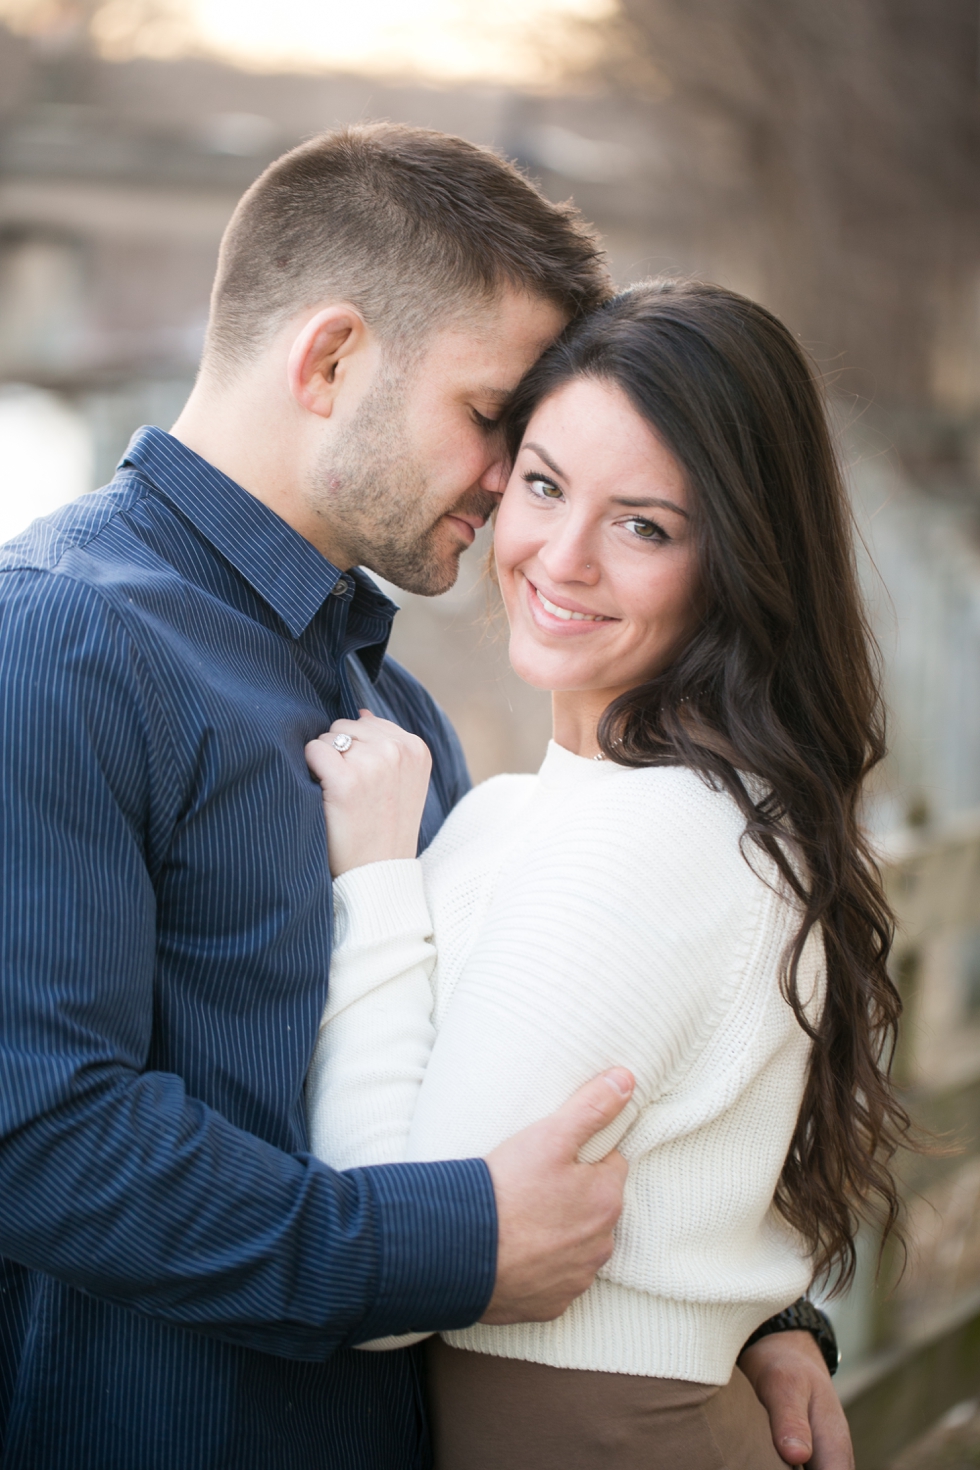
(594, 547)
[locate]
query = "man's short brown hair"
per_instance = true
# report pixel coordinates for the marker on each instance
(407, 224)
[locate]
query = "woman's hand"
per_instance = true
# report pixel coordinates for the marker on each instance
(373, 793)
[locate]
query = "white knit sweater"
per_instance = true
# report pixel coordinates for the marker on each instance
(586, 917)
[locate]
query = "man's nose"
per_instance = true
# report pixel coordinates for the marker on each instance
(494, 477)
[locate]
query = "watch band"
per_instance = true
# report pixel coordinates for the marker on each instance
(803, 1316)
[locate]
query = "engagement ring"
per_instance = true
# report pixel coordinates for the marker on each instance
(342, 743)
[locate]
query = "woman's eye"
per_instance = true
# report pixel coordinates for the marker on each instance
(545, 489)
(647, 530)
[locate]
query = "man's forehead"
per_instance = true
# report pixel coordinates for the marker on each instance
(493, 348)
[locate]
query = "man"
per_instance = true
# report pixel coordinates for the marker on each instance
(182, 1281)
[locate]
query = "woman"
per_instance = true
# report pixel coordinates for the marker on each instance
(683, 889)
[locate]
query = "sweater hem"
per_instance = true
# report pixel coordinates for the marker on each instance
(615, 1329)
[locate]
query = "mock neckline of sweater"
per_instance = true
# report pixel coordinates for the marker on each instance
(561, 767)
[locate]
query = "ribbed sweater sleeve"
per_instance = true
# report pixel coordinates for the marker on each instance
(376, 1032)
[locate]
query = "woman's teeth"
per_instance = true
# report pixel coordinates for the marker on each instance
(563, 612)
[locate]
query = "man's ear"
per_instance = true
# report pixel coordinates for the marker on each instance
(321, 354)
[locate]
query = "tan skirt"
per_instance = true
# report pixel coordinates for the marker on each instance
(504, 1414)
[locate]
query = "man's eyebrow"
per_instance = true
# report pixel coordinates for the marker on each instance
(498, 395)
(648, 503)
(548, 461)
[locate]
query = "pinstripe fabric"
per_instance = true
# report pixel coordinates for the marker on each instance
(181, 1279)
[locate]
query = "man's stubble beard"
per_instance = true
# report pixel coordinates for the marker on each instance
(377, 498)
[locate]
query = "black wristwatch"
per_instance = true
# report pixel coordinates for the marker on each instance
(803, 1316)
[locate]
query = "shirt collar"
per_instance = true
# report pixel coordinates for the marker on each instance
(279, 563)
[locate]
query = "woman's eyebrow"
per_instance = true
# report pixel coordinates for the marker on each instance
(632, 502)
(548, 461)
(651, 502)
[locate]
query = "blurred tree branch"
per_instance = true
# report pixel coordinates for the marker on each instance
(856, 126)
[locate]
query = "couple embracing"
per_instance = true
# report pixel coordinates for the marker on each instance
(351, 1118)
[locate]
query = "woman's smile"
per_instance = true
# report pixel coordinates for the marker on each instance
(570, 617)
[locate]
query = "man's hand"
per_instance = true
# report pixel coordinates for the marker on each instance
(790, 1377)
(555, 1215)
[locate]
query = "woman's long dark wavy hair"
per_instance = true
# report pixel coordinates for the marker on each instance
(780, 682)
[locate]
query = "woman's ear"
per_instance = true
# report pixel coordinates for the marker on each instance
(321, 354)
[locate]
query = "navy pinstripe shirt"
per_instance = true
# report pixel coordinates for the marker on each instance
(181, 1282)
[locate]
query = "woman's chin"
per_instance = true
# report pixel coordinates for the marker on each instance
(531, 673)
(549, 670)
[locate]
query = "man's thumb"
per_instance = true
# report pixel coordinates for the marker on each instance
(591, 1109)
(793, 1441)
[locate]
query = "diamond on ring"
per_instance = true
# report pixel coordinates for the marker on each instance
(342, 743)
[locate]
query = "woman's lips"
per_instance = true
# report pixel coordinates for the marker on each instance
(555, 618)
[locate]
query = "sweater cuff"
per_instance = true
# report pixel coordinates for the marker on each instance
(436, 1227)
(378, 902)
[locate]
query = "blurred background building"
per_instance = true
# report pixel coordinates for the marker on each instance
(820, 155)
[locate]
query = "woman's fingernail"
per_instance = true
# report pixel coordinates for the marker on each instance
(621, 1080)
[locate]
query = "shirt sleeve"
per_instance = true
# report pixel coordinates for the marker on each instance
(114, 1180)
(376, 1033)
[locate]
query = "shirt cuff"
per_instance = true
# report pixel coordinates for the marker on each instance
(378, 902)
(436, 1227)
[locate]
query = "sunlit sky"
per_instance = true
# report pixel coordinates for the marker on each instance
(517, 41)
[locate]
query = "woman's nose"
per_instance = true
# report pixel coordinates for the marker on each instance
(568, 556)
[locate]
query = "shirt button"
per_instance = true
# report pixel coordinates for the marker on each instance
(339, 588)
